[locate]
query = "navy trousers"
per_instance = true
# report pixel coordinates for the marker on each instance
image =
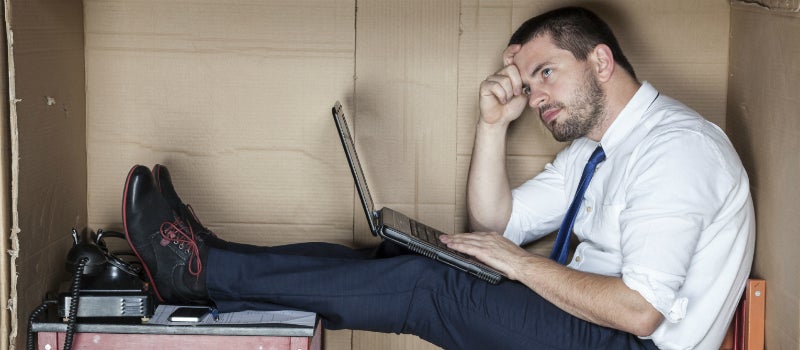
(388, 290)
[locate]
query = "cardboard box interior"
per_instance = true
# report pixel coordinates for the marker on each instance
(5, 199)
(763, 122)
(235, 99)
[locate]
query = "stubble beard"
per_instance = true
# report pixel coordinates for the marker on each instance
(585, 111)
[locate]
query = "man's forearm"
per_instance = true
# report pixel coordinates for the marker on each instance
(488, 191)
(602, 300)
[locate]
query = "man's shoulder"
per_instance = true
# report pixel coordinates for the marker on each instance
(678, 131)
(668, 117)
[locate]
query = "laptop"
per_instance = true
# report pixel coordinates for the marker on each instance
(397, 227)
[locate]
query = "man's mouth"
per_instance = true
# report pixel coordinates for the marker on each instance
(548, 115)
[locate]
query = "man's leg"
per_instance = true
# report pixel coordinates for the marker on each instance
(162, 184)
(401, 294)
(385, 249)
(405, 294)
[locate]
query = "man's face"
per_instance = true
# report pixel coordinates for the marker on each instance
(561, 88)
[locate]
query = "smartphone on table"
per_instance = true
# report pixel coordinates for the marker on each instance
(188, 314)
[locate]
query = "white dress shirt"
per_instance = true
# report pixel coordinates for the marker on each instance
(669, 211)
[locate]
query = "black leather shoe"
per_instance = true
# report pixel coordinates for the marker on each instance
(185, 211)
(171, 256)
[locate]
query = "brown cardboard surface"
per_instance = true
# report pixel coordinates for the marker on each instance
(764, 125)
(5, 198)
(48, 165)
(10, 280)
(406, 104)
(235, 97)
(777, 5)
(338, 339)
(405, 117)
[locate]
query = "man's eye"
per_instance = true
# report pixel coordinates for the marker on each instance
(546, 72)
(526, 90)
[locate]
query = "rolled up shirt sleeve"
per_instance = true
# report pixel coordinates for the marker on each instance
(673, 195)
(658, 289)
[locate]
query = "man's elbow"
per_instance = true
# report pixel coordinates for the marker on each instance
(489, 222)
(477, 225)
(646, 322)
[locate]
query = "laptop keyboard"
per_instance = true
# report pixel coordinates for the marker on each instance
(427, 234)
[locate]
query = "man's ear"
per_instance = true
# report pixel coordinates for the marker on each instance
(603, 61)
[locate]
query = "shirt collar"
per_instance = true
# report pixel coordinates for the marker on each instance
(630, 116)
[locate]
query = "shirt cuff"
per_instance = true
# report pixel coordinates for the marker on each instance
(656, 288)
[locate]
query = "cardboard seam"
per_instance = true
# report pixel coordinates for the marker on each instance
(14, 231)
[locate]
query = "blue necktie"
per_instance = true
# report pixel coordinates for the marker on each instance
(561, 247)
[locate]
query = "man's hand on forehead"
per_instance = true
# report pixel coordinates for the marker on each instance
(503, 94)
(509, 53)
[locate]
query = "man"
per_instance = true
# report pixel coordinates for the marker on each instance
(662, 209)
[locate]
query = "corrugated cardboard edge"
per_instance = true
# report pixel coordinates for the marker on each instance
(10, 236)
(775, 5)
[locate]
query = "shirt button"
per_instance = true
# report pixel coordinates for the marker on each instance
(578, 258)
(589, 209)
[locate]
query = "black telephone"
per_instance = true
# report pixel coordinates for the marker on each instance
(107, 285)
(103, 285)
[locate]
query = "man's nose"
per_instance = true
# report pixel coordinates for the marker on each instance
(537, 98)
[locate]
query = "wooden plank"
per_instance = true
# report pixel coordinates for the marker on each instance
(755, 302)
(104, 341)
(47, 341)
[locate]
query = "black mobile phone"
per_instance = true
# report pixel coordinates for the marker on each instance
(188, 314)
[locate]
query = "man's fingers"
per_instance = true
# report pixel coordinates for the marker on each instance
(516, 79)
(498, 86)
(509, 53)
(474, 237)
(508, 79)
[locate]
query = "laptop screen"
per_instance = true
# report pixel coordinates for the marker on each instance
(355, 165)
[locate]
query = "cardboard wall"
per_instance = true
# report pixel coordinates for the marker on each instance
(235, 100)
(48, 148)
(235, 97)
(764, 122)
(5, 198)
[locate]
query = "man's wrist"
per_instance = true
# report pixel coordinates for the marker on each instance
(492, 128)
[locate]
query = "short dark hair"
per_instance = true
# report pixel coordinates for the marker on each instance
(574, 29)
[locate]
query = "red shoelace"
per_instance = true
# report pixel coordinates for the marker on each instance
(182, 235)
(196, 219)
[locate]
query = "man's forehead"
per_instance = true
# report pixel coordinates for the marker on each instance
(539, 50)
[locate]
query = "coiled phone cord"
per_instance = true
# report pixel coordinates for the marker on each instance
(73, 302)
(32, 318)
(73, 308)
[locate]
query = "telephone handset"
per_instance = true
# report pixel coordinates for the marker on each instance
(109, 286)
(103, 285)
